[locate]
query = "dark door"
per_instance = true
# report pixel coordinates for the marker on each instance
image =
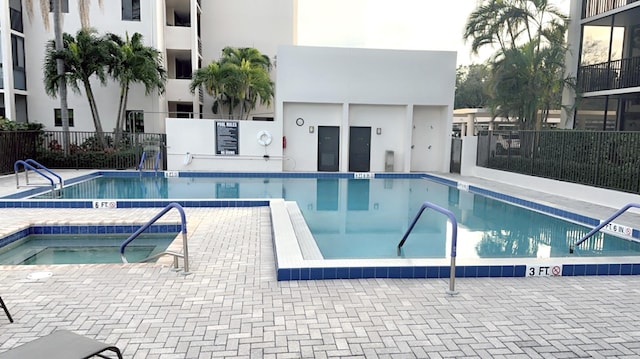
(456, 155)
(359, 149)
(328, 148)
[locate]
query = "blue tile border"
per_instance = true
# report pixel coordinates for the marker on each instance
(87, 229)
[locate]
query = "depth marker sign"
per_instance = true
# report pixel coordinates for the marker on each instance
(551, 270)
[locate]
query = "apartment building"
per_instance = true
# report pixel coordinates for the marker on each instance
(188, 33)
(604, 40)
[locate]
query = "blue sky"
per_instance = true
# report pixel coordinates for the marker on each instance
(390, 24)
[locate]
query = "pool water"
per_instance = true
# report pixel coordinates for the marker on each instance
(78, 249)
(366, 218)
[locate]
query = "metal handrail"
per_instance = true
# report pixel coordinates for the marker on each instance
(185, 249)
(157, 159)
(29, 167)
(41, 166)
(604, 223)
(142, 158)
(454, 239)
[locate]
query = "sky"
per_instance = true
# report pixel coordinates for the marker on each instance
(391, 24)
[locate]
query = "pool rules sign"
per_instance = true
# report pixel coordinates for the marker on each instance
(226, 137)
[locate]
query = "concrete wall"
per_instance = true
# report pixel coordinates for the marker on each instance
(408, 95)
(191, 146)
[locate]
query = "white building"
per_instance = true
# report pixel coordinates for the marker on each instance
(339, 110)
(188, 33)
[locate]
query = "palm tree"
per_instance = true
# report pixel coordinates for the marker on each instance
(133, 62)
(247, 71)
(84, 56)
(527, 67)
(83, 6)
(212, 80)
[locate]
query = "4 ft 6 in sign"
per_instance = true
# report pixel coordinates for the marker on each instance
(544, 271)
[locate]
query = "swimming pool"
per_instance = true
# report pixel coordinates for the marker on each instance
(350, 213)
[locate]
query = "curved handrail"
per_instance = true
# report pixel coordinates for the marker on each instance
(30, 167)
(40, 166)
(604, 223)
(142, 158)
(183, 220)
(157, 159)
(454, 238)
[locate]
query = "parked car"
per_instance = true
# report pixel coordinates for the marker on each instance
(507, 142)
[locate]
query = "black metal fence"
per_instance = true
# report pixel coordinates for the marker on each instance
(601, 159)
(616, 74)
(84, 150)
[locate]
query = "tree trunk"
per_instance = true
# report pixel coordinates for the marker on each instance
(64, 107)
(94, 113)
(120, 120)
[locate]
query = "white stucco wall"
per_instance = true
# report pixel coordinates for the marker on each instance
(387, 89)
(197, 138)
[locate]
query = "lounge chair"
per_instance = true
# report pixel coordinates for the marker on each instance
(61, 344)
(6, 310)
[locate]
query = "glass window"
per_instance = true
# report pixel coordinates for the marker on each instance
(131, 10)
(58, 117)
(64, 4)
(134, 121)
(15, 14)
(17, 52)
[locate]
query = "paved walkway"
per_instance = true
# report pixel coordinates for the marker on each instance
(232, 306)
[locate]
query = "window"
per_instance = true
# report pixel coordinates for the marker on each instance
(131, 10)
(135, 118)
(64, 6)
(183, 69)
(58, 117)
(15, 11)
(17, 52)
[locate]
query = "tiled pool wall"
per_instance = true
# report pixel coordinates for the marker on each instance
(77, 229)
(425, 272)
(353, 272)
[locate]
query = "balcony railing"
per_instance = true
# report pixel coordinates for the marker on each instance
(595, 7)
(616, 74)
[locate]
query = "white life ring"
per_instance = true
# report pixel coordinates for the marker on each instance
(264, 138)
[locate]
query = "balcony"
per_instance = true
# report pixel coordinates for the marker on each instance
(178, 37)
(612, 75)
(178, 90)
(595, 7)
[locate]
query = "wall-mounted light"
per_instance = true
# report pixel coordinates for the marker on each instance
(311, 129)
(378, 131)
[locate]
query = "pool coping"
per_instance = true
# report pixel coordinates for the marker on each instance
(291, 265)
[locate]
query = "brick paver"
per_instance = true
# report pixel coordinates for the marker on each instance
(232, 306)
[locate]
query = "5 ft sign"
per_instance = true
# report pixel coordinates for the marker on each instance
(544, 271)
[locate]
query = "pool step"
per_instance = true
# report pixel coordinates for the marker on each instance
(307, 243)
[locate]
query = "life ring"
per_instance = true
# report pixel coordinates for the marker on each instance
(264, 138)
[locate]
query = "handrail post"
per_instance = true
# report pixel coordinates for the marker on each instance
(454, 239)
(28, 167)
(183, 220)
(602, 224)
(141, 164)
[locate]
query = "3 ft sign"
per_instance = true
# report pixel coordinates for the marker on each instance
(554, 270)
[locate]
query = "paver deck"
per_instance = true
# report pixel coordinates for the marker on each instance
(231, 306)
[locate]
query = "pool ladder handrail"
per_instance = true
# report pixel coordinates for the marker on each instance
(454, 239)
(603, 224)
(185, 248)
(141, 164)
(158, 156)
(30, 164)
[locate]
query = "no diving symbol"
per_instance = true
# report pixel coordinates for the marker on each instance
(555, 270)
